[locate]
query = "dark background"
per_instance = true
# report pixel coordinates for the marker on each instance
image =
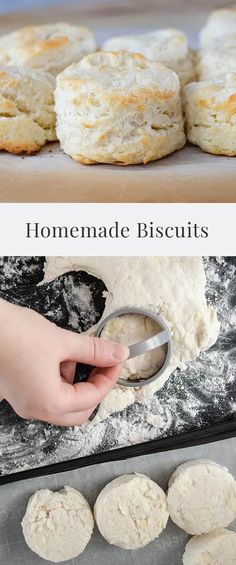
(201, 396)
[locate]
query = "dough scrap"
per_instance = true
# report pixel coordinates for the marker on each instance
(58, 525)
(201, 497)
(211, 549)
(131, 511)
(172, 286)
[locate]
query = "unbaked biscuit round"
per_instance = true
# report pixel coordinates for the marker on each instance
(220, 24)
(211, 549)
(210, 109)
(50, 48)
(167, 46)
(58, 525)
(27, 114)
(119, 108)
(201, 497)
(131, 511)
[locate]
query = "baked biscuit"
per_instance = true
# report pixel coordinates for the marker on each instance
(118, 108)
(210, 109)
(167, 46)
(27, 115)
(220, 24)
(216, 62)
(49, 48)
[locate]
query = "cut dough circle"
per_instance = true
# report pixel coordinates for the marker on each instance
(119, 108)
(130, 329)
(211, 549)
(58, 525)
(131, 511)
(201, 497)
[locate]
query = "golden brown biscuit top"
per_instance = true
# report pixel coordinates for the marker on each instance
(23, 45)
(120, 72)
(214, 95)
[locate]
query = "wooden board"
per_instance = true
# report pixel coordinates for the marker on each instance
(187, 176)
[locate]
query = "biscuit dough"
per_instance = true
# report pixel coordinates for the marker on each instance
(131, 511)
(27, 115)
(201, 497)
(119, 108)
(50, 47)
(58, 525)
(130, 329)
(211, 549)
(210, 109)
(167, 46)
(172, 286)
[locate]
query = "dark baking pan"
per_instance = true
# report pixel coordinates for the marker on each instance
(195, 406)
(219, 432)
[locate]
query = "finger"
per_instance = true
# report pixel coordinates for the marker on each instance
(67, 371)
(93, 350)
(72, 419)
(84, 396)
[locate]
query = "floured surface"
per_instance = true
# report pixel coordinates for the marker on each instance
(187, 176)
(203, 395)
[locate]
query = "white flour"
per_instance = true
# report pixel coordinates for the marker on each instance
(202, 395)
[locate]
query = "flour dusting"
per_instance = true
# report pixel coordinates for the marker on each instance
(201, 395)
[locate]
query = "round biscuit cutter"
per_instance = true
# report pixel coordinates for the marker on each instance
(161, 338)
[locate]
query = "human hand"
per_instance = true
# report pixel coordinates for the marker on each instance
(37, 367)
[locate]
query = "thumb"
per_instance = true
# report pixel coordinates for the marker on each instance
(93, 351)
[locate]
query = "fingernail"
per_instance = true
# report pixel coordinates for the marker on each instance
(120, 352)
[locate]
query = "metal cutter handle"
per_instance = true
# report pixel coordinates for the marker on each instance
(148, 344)
(162, 338)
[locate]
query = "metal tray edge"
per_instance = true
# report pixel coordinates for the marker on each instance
(221, 431)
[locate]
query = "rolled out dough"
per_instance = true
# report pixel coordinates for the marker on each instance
(171, 286)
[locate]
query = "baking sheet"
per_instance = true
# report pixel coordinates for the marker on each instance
(199, 398)
(186, 176)
(167, 550)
